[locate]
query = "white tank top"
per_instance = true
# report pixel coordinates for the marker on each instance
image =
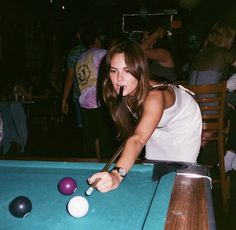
(178, 135)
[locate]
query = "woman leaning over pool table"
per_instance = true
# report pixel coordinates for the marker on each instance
(162, 117)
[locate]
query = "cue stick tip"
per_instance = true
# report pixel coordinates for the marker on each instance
(89, 191)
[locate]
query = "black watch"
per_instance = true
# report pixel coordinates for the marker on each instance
(120, 170)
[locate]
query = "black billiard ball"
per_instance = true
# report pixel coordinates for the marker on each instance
(20, 207)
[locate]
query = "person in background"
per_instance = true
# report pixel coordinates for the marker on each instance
(70, 79)
(230, 156)
(231, 87)
(156, 47)
(212, 63)
(159, 115)
(97, 131)
(210, 66)
(19, 92)
(31, 88)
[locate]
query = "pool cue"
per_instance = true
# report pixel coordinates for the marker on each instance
(120, 95)
(105, 168)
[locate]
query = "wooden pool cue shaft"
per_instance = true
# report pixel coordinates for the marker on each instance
(105, 168)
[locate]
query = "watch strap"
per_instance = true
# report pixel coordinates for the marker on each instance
(121, 171)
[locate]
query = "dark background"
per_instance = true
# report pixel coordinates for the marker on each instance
(35, 35)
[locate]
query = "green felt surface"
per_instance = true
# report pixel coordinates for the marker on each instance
(139, 203)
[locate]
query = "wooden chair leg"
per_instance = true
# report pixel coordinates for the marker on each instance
(224, 194)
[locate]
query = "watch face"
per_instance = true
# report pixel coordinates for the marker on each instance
(121, 171)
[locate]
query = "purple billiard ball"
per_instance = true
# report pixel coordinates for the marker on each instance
(20, 207)
(67, 186)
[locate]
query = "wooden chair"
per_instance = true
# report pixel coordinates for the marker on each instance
(211, 100)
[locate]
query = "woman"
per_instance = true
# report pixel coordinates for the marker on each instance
(161, 60)
(163, 117)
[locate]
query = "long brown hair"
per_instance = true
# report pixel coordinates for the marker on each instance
(131, 107)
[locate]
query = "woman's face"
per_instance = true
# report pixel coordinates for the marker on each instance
(120, 75)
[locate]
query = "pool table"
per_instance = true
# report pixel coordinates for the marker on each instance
(181, 200)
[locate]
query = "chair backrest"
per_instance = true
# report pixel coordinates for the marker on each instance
(211, 100)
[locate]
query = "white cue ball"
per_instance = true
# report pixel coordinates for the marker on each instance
(78, 206)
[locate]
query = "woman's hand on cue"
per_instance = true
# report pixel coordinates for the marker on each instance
(105, 181)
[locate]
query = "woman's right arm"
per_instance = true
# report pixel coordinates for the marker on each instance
(153, 110)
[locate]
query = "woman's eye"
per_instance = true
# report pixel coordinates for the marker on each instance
(112, 71)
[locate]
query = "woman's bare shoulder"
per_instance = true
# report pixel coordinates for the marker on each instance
(161, 93)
